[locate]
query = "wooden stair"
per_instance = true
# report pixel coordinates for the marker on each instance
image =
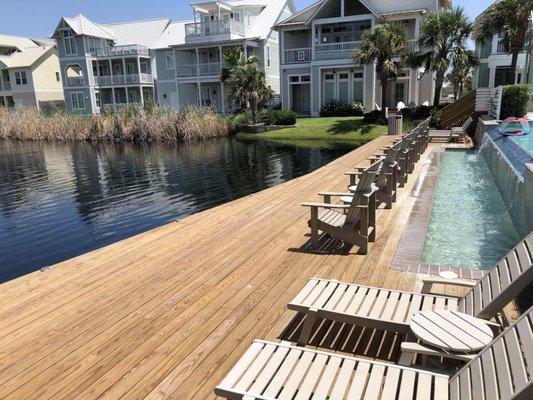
(456, 113)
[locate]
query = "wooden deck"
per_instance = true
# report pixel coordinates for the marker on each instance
(165, 314)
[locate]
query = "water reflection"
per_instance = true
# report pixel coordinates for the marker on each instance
(60, 200)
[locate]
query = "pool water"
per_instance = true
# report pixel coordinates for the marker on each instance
(469, 225)
(525, 141)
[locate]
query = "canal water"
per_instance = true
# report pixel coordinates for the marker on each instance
(61, 200)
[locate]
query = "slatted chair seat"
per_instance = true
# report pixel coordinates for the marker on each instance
(332, 217)
(279, 371)
(391, 310)
(368, 306)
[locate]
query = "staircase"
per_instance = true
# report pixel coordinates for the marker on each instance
(456, 113)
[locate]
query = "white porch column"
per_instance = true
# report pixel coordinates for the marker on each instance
(245, 51)
(142, 94)
(220, 56)
(178, 94)
(223, 102)
(139, 66)
(313, 40)
(124, 68)
(199, 94)
(127, 96)
(197, 62)
(113, 95)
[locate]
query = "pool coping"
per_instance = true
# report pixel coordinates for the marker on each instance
(409, 251)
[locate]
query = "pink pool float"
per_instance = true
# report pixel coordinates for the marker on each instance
(512, 126)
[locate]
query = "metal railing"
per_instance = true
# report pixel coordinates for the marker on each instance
(125, 50)
(124, 79)
(340, 47)
(210, 68)
(75, 80)
(204, 69)
(211, 28)
(186, 70)
(296, 56)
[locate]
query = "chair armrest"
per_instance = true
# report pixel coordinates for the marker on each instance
(324, 205)
(355, 173)
(335, 194)
(427, 283)
(412, 347)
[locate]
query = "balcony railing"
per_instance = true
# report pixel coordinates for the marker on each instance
(297, 56)
(75, 80)
(6, 86)
(124, 79)
(126, 50)
(212, 28)
(341, 47)
(204, 68)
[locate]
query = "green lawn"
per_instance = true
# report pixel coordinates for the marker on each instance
(343, 129)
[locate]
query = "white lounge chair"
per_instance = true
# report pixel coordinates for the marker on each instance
(392, 310)
(455, 134)
(272, 371)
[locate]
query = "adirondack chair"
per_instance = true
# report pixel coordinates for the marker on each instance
(446, 135)
(357, 224)
(272, 371)
(392, 310)
(386, 181)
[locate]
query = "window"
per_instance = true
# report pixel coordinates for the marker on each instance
(69, 42)
(237, 17)
(171, 60)
(294, 79)
(305, 78)
(358, 86)
(98, 100)
(249, 19)
(268, 60)
(21, 78)
(78, 100)
(58, 78)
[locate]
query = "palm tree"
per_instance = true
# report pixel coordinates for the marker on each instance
(443, 35)
(510, 19)
(388, 46)
(245, 80)
(463, 61)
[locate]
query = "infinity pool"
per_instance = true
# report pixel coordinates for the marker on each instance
(526, 142)
(469, 225)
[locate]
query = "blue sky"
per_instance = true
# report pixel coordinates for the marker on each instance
(38, 18)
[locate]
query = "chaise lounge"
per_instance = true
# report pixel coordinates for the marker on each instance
(268, 371)
(392, 310)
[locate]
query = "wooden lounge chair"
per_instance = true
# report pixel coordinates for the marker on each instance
(392, 310)
(386, 181)
(353, 223)
(455, 134)
(272, 371)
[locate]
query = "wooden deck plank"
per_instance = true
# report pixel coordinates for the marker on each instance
(167, 313)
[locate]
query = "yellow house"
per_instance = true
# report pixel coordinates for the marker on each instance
(29, 73)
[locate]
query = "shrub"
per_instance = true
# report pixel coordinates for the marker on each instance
(435, 118)
(514, 101)
(358, 108)
(337, 109)
(277, 117)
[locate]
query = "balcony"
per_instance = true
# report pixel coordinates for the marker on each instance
(213, 30)
(117, 51)
(341, 47)
(185, 70)
(114, 80)
(75, 81)
(5, 86)
(297, 56)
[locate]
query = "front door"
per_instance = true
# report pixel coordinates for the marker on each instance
(301, 95)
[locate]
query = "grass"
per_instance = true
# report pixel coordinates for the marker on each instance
(151, 125)
(329, 129)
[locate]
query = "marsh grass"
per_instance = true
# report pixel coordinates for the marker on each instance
(153, 125)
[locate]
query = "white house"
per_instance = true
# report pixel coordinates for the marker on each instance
(190, 55)
(109, 65)
(316, 45)
(29, 73)
(495, 64)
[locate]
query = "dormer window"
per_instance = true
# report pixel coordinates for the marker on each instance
(69, 42)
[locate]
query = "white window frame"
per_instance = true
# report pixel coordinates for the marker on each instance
(70, 49)
(172, 64)
(248, 19)
(76, 105)
(98, 99)
(21, 78)
(268, 57)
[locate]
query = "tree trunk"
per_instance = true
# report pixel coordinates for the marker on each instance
(514, 60)
(253, 106)
(383, 99)
(455, 95)
(439, 80)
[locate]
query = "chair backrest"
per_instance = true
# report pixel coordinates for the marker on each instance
(502, 370)
(467, 123)
(502, 284)
(364, 186)
(390, 161)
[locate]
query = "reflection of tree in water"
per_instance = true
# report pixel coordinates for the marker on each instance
(22, 166)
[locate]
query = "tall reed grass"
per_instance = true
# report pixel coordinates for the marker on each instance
(151, 125)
